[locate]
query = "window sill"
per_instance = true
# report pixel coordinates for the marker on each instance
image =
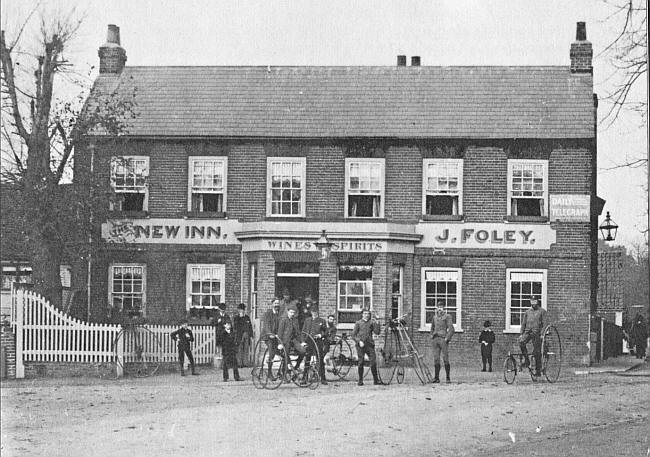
(364, 219)
(428, 330)
(539, 219)
(286, 217)
(514, 331)
(442, 217)
(128, 214)
(206, 215)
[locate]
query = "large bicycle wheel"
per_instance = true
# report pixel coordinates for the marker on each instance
(268, 364)
(419, 368)
(307, 376)
(551, 353)
(142, 352)
(390, 355)
(509, 369)
(341, 357)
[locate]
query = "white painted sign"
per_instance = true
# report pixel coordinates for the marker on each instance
(171, 231)
(485, 236)
(569, 207)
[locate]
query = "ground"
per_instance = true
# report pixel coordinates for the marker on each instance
(603, 414)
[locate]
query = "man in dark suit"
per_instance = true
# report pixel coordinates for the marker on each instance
(243, 334)
(316, 327)
(184, 337)
(362, 334)
(289, 334)
(270, 326)
(229, 352)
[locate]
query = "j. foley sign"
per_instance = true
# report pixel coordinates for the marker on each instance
(174, 231)
(486, 236)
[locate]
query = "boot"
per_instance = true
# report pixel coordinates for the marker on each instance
(490, 370)
(447, 371)
(375, 376)
(436, 367)
(483, 367)
(360, 371)
(182, 371)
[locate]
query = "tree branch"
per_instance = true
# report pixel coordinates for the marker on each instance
(8, 72)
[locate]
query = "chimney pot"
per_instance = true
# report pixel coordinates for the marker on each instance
(401, 61)
(112, 56)
(113, 34)
(581, 31)
(415, 61)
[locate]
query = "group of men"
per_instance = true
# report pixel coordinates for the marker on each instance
(287, 330)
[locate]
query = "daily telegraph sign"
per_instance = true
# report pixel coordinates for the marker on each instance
(170, 231)
(486, 236)
(569, 208)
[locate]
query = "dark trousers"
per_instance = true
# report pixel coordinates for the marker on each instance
(230, 361)
(537, 348)
(486, 354)
(272, 344)
(368, 350)
(182, 350)
(311, 352)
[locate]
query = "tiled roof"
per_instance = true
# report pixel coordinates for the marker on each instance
(317, 102)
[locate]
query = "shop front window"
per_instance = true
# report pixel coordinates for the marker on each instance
(522, 286)
(354, 292)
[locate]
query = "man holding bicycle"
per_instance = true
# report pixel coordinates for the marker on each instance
(532, 324)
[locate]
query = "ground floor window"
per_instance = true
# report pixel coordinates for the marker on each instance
(205, 286)
(127, 288)
(354, 292)
(522, 285)
(253, 290)
(440, 285)
(15, 274)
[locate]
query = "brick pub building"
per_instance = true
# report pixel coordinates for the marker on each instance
(470, 185)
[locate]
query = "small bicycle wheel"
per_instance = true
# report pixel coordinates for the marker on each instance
(551, 353)
(400, 374)
(509, 369)
(341, 357)
(142, 352)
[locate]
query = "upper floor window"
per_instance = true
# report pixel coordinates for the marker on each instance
(443, 187)
(129, 180)
(364, 187)
(522, 285)
(127, 286)
(285, 194)
(207, 184)
(527, 187)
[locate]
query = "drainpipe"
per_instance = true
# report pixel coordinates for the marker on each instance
(90, 233)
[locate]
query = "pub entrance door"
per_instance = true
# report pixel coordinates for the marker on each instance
(297, 279)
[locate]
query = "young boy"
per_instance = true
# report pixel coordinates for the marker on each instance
(486, 338)
(229, 352)
(184, 337)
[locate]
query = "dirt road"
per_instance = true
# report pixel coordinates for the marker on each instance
(478, 414)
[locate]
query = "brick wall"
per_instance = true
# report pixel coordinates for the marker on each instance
(485, 184)
(325, 183)
(403, 184)
(8, 343)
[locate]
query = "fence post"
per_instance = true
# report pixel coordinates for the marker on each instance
(20, 317)
(119, 365)
(602, 340)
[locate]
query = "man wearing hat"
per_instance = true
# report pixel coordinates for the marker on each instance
(289, 334)
(442, 329)
(316, 327)
(532, 325)
(243, 333)
(486, 339)
(362, 334)
(270, 327)
(184, 338)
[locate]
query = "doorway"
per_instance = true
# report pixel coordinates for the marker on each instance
(299, 279)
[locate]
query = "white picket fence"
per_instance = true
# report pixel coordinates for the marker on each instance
(45, 334)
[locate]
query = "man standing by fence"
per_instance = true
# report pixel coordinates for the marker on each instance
(184, 337)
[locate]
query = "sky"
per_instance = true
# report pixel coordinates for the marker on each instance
(338, 32)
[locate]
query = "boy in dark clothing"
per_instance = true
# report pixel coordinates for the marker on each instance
(184, 337)
(486, 338)
(229, 352)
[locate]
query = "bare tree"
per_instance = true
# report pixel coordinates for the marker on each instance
(40, 133)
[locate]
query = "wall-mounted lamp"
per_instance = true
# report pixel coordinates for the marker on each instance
(608, 228)
(324, 245)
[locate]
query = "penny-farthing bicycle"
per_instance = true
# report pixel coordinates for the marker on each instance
(551, 359)
(274, 365)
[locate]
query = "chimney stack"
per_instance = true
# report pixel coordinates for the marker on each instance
(401, 61)
(581, 53)
(415, 61)
(112, 56)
